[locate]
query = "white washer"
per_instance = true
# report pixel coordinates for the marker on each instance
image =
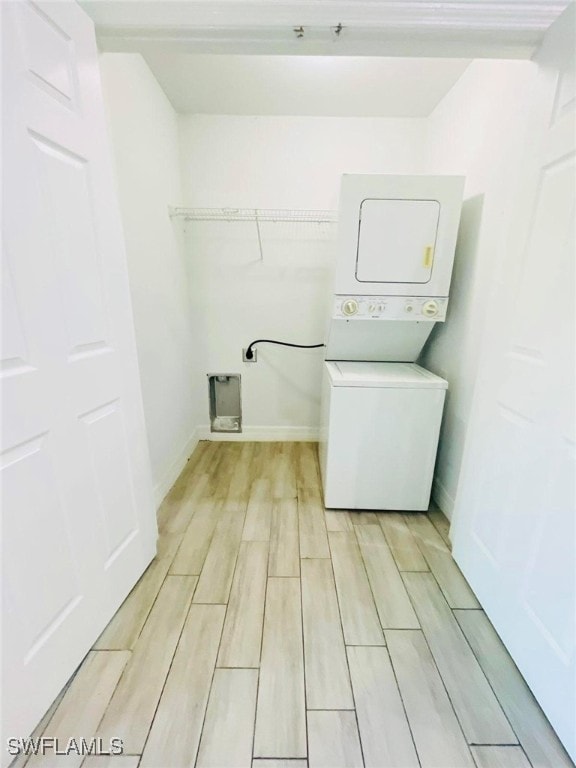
(379, 434)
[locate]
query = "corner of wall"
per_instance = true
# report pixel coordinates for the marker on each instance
(443, 499)
(174, 470)
(144, 138)
(476, 131)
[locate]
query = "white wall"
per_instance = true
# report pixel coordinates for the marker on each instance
(144, 134)
(481, 129)
(275, 162)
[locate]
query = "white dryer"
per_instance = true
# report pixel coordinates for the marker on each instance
(379, 434)
(396, 241)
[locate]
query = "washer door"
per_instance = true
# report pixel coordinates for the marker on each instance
(396, 240)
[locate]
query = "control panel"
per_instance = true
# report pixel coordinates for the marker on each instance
(390, 307)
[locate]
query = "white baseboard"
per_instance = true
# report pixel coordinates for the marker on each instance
(442, 498)
(263, 434)
(175, 469)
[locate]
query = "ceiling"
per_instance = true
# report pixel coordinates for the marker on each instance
(304, 85)
(317, 57)
(443, 28)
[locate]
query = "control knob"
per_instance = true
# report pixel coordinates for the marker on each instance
(350, 307)
(430, 308)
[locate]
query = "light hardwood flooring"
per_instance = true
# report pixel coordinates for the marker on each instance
(272, 633)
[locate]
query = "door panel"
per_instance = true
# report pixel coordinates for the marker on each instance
(514, 522)
(52, 552)
(108, 450)
(48, 52)
(15, 356)
(79, 523)
(66, 198)
(396, 240)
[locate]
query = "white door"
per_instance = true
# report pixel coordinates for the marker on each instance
(396, 240)
(78, 515)
(514, 530)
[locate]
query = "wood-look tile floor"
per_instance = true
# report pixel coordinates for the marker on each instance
(272, 633)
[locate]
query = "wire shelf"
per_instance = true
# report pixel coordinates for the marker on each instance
(255, 214)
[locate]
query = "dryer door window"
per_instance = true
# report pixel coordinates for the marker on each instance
(396, 241)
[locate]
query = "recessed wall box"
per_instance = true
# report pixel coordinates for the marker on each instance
(225, 402)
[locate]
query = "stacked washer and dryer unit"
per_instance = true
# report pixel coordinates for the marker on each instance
(381, 412)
